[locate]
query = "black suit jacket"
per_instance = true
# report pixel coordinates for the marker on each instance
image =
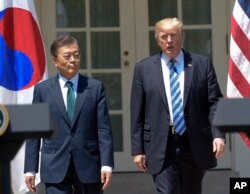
(150, 113)
(88, 139)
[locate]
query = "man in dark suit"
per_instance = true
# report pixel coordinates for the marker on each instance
(177, 149)
(79, 157)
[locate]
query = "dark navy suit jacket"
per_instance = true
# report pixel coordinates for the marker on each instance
(88, 139)
(150, 113)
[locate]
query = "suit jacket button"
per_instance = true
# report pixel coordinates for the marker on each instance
(70, 149)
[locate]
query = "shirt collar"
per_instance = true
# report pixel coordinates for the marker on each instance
(179, 58)
(74, 80)
(179, 61)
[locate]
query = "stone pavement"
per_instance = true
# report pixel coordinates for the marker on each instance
(214, 182)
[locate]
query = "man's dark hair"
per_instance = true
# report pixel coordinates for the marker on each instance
(61, 41)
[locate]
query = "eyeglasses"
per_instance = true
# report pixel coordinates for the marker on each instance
(67, 56)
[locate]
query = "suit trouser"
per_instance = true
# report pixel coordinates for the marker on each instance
(180, 174)
(72, 185)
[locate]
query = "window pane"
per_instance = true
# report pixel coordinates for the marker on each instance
(104, 13)
(196, 12)
(199, 41)
(105, 50)
(112, 83)
(70, 13)
(154, 48)
(81, 38)
(116, 123)
(159, 9)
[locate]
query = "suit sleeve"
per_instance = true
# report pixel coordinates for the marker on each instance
(104, 130)
(137, 109)
(214, 94)
(32, 146)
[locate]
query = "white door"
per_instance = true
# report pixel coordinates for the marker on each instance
(115, 34)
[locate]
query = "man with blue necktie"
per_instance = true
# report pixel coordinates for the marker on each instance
(173, 101)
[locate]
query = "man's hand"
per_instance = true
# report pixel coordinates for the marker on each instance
(140, 162)
(106, 178)
(30, 182)
(218, 147)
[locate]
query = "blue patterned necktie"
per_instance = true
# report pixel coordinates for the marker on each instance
(177, 107)
(70, 100)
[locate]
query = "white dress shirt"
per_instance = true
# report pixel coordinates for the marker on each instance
(64, 88)
(179, 64)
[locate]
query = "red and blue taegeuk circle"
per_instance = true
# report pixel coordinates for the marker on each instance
(22, 56)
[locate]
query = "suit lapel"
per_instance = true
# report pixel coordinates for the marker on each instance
(188, 69)
(82, 91)
(159, 79)
(56, 92)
